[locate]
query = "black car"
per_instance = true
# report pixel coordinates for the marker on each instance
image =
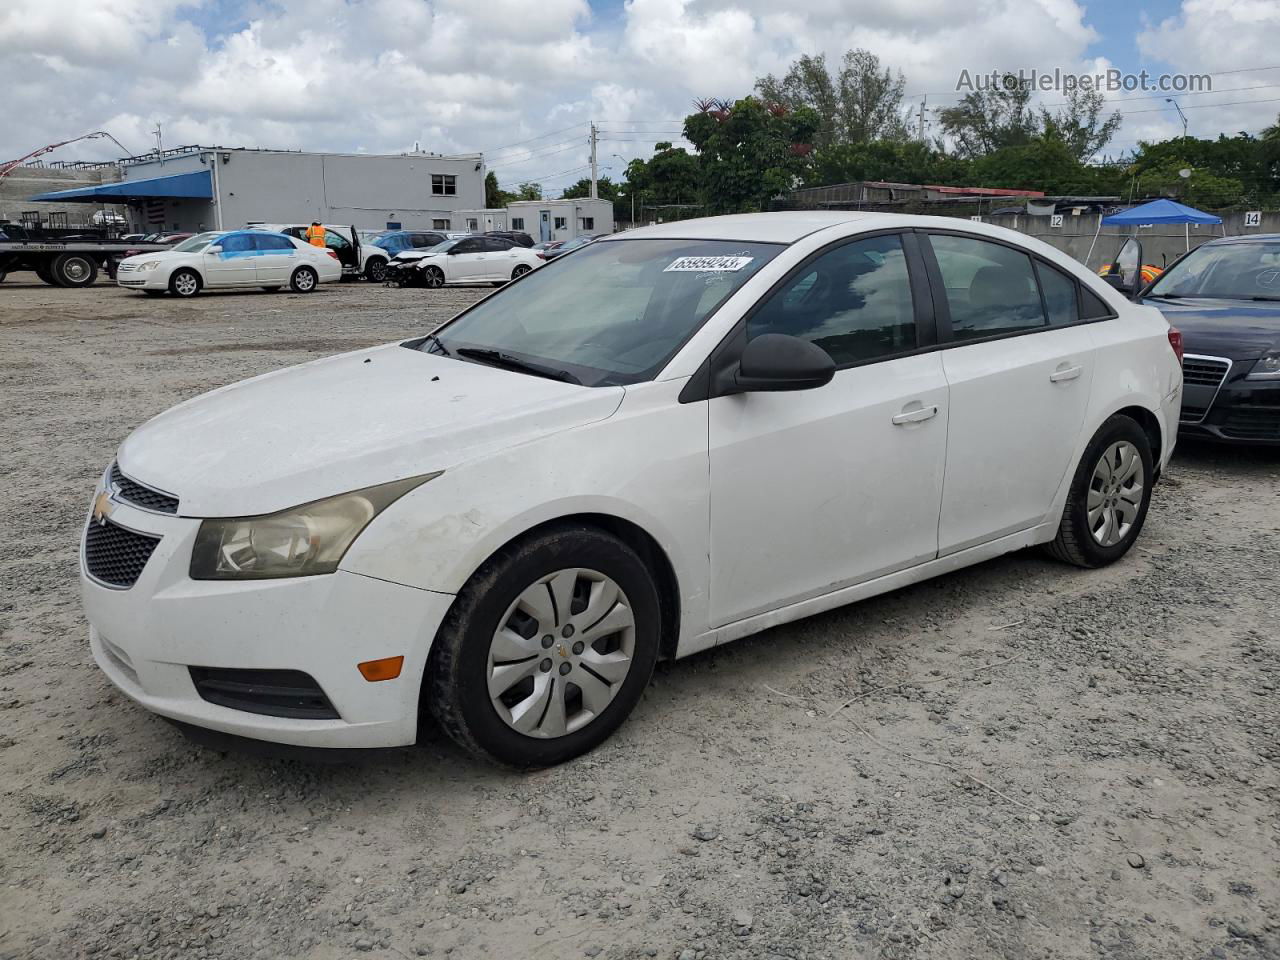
(1225, 298)
(518, 237)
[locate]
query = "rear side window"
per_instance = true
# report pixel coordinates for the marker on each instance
(266, 241)
(1059, 295)
(1092, 307)
(853, 301)
(990, 288)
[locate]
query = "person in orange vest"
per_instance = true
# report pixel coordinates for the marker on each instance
(314, 234)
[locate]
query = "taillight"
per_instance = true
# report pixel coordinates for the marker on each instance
(332, 254)
(1175, 341)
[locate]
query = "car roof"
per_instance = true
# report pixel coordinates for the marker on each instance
(1246, 238)
(784, 227)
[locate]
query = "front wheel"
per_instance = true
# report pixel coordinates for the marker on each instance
(1109, 497)
(184, 283)
(547, 648)
(433, 277)
(304, 280)
(376, 271)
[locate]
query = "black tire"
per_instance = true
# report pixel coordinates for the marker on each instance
(154, 293)
(456, 688)
(1075, 542)
(520, 270)
(3, 274)
(180, 285)
(376, 270)
(433, 277)
(304, 280)
(74, 270)
(43, 273)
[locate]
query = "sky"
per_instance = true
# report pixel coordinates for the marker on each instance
(519, 80)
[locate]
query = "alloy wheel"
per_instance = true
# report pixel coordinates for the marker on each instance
(1115, 493)
(185, 284)
(434, 277)
(305, 280)
(561, 653)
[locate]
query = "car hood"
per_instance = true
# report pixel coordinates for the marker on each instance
(343, 423)
(146, 255)
(1235, 329)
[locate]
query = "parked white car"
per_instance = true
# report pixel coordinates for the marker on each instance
(467, 260)
(673, 438)
(235, 258)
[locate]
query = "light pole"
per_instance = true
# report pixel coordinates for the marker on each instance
(1180, 113)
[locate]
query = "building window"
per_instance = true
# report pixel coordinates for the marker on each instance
(517, 223)
(588, 223)
(472, 223)
(439, 224)
(444, 185)
(561, 223)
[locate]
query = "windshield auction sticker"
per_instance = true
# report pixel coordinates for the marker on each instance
(707, 264)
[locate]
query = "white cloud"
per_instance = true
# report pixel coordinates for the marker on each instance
(461, 75)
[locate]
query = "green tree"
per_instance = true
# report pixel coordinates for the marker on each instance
(896, 161)
(1045, 163)
(606, 189)
(860, 103)
(670, 176)
(1080, 124)
(749, 152)
(989, 119)
(494, 196)
(529, 191)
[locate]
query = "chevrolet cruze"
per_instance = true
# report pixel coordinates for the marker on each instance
(664, 441)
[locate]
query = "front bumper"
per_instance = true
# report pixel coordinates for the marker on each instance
(1241, 411)
(148, 636)
(142, 279)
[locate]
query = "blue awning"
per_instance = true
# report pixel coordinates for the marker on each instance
(1159, 211)
(196, 186)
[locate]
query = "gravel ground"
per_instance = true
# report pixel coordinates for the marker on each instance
(1030, 761)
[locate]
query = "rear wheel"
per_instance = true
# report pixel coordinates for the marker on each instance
(433, 277)
(520, 271)
(547, 648)
(376, 271)
(1109, 497)
(304, 280)
(184, 283)
(74, 270)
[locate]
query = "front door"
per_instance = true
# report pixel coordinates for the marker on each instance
(234, 264)
(1018, 393)
(463, 264)
(819, 489)
(544, 226)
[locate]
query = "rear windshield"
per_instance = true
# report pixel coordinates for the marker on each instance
(1231, 271)
(613, 313)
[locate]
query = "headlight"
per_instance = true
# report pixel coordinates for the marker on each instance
(149, 265)
(298, 542)
(1267, 367)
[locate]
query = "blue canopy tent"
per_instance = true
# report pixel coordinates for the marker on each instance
(1157, 211)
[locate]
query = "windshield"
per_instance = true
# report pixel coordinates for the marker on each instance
(613, 313)
(197, 243)
(1233, 271)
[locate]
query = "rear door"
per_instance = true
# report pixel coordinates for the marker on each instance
(276, 258)
(1019, 366)
(498, 261)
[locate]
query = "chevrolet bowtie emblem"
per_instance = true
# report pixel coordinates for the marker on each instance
(102, 508)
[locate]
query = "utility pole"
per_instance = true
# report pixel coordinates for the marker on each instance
(159, 144)
(594, 193)
(920, 127)
(1180, 113)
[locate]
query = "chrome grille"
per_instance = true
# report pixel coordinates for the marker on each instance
(1204, 371)
(140, 496)
(114, 555)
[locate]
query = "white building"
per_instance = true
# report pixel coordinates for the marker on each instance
(480, 221)
(211, 188)
(561, 219)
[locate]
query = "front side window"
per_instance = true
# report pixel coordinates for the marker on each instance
(444, 184)
(990, 288)
(335, 241)
(613, 313)
(1228, 271)
(853, 301)
(237, 243)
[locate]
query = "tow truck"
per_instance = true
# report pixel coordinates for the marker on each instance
(61, 261)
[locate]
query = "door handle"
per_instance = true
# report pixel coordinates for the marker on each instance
(1065, 373)
(918, 415)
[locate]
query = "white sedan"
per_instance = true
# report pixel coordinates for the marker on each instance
(468, 260)
(673, 438)
(235, 258)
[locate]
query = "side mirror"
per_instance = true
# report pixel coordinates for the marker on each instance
(1117, 282)
(775, 361)
(213, 249)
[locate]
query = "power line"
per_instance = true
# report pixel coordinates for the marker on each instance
(553, 176)
(544, 136)
(569, 145)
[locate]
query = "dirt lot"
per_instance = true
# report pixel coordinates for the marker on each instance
(1032, 761)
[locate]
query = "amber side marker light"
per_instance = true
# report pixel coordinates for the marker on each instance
(388, 668)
